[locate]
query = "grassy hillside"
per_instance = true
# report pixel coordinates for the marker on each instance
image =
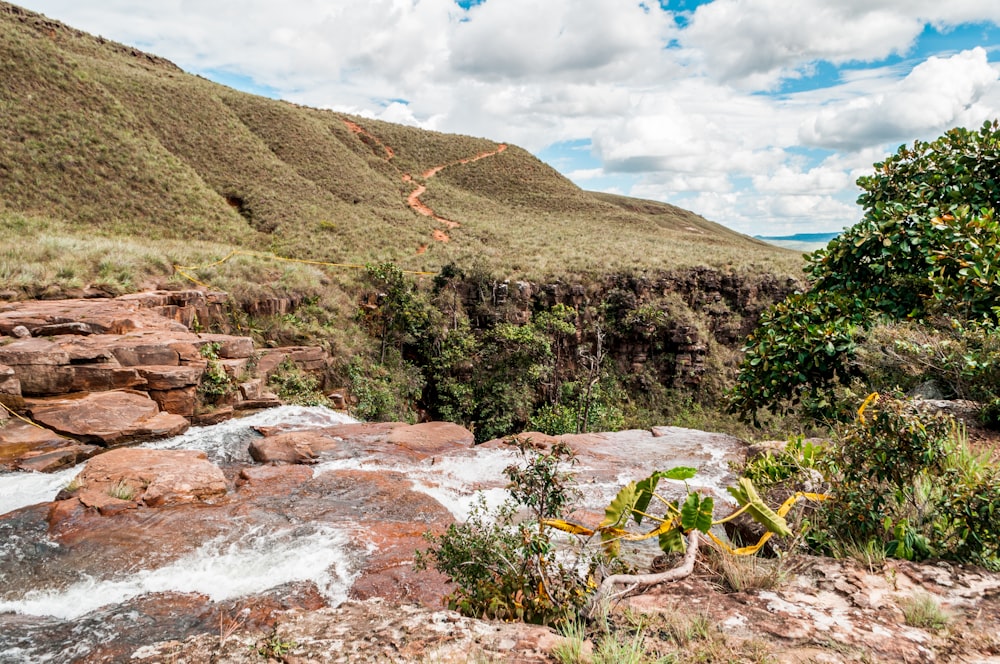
(101, 140)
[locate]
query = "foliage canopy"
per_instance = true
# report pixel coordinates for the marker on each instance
(925, 248)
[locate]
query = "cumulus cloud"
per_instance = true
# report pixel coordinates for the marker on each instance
(681, 107)
(937, 94)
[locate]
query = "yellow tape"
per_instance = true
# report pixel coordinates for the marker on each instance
(28, 421)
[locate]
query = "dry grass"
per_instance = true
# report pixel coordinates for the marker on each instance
(100, 139)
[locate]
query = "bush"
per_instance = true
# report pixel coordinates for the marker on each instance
(906, 479)
(294, 386)
(925, 248)
(506, 567)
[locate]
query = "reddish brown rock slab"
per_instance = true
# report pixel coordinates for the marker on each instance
(44, 380)
(827, 601)
(106, 418)
(430, 438)
(312, 359)
(170, 377)
(365, 632)
(19, 439)
(64, 457)
(114, 316)
(230, 347)
(214, 416)
(292, 447)
(271, 480)
(344, 441)
(156, 478)
(182, 401)
(33, 351)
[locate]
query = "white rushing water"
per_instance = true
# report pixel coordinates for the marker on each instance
(455, 481)
(22, 489)
(223, 443)
(256, 562)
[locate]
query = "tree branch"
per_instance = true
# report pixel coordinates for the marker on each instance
(605, 592)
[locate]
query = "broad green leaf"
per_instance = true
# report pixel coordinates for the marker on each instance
(645, 488)
(697, 513)
(745, 494)
(672, 541)
(679, 473)
(620, 508)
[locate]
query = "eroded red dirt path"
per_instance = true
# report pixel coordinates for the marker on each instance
(413, 199)
(358, 129)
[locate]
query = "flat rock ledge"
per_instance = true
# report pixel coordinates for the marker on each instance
(370, 631)
(129, 477)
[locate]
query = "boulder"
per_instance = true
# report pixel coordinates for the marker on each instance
(293, 447)
(33, 351)
(42, 380)
(155, 478)
(64, 457)
(431, 438)
(180, 401)
(106, 418)
(170, 377)
(230, 347)
(10, 390)
(19, 439)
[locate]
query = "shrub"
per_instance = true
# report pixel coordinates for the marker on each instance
(506, 567)
(924, 248)
(215, 382)
(294, 386)
(906, 479)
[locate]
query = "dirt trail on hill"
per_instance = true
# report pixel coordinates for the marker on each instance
(413, 199)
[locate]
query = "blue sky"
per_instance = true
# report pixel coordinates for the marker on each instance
(759, 114)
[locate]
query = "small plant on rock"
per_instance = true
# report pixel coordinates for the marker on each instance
(215, 382)
(923, 611)
(506, 567)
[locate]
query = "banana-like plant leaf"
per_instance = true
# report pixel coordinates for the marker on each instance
(697, 512)
(620, 508)
(682, 473)
(611, 543)
(568, 527)
(745, 494)
(644, 490)
(672, 541)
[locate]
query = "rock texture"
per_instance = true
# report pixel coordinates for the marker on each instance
(125, 369)
(155, 478)
(108, 419)
(372, 631)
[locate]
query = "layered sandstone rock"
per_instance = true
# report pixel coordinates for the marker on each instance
(155, 478)
(106, 418)
(140, 348)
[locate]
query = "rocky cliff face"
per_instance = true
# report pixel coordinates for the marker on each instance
(671, 325)
(83, 375)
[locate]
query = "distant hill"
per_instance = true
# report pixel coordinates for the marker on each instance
(805, 242)
(101, 140)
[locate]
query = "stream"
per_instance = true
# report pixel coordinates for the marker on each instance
(312, 536)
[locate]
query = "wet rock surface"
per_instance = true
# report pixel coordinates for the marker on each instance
(141, 345)
(214, 555)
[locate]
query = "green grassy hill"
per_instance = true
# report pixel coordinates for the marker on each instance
(117, 155)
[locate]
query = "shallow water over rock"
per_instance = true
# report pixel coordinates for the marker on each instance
(85, 584)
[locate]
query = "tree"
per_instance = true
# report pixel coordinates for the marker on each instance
(925, 247)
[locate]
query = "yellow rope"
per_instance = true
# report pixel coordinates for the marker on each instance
(28, 421)
(182, 269)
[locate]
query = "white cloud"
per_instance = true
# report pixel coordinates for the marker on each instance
(678, 111)
(937, 94)
(757, 43)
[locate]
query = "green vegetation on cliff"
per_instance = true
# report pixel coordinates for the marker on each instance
(116, 167)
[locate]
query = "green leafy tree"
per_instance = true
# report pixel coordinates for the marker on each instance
(926, 246)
